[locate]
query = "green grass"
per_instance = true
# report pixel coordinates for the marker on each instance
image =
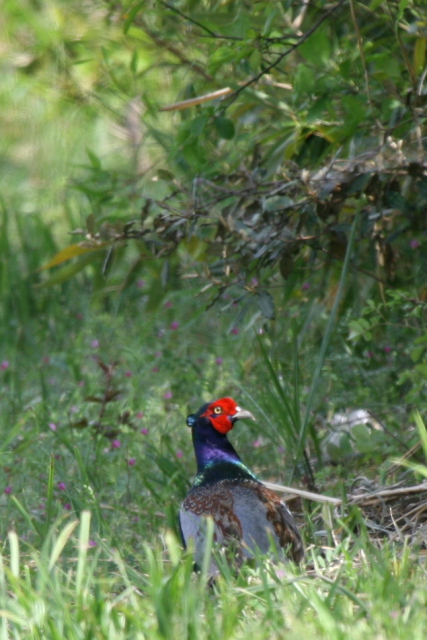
(79, 587)
(90, 488)
(89, 530)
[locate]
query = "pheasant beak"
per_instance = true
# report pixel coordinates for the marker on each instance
(242, 413)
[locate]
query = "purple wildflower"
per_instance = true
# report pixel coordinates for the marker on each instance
(116, 444)
(174, 325)
(62, 486)
(94, 344)
(144, 432)
(218, 361)
(4, 365)
(8, 490)
(132, 462)
(53, 426)
(168, 395)
(179, 453)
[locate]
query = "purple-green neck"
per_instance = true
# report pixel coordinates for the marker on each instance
(216, 457)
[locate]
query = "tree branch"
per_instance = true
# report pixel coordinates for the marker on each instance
(302, 39)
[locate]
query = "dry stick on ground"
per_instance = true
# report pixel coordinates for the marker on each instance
(366, 498)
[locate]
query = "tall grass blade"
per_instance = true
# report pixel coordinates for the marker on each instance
(422, 431)
(324, 348)
(14, 553)
(60, 543)
(83, 547)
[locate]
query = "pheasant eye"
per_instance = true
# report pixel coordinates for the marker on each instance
(217, 410)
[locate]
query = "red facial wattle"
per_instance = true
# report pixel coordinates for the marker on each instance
(220, 414)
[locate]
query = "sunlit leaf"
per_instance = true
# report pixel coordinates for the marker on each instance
(72, 251)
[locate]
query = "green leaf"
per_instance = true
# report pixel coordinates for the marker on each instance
(255, 60)
(419, 54)
(317, 49)
(94, 160)
(67, 272)
(224, 127)
(197, 125)
(266, 304)
(304, 80)
(131, 15)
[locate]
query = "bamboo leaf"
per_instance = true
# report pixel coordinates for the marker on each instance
(73, 251)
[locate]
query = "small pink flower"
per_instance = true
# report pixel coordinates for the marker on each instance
(155, 369)
(168, 304)
(174, 325)
(116, 444)
(81, 383)
(369, 354)
(144, 432)
(140, 414)
(168, 395)
(135, 519)
(4, 365)
(257, 444)
(8, 490)
(260, 331)
(218, 361)
(61, 486)
(140, 283)
(306, 286)
(94, 344)
(132, 462)
(58, 456)
(91, 543)
(67, 506)
(234, 331)
(179, 453)
(128, 374)
(158, 354)
(414, 244)
(53, 426)
(387, 348)
(254, 282)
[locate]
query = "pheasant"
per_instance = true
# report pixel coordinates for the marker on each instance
(246, 515)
